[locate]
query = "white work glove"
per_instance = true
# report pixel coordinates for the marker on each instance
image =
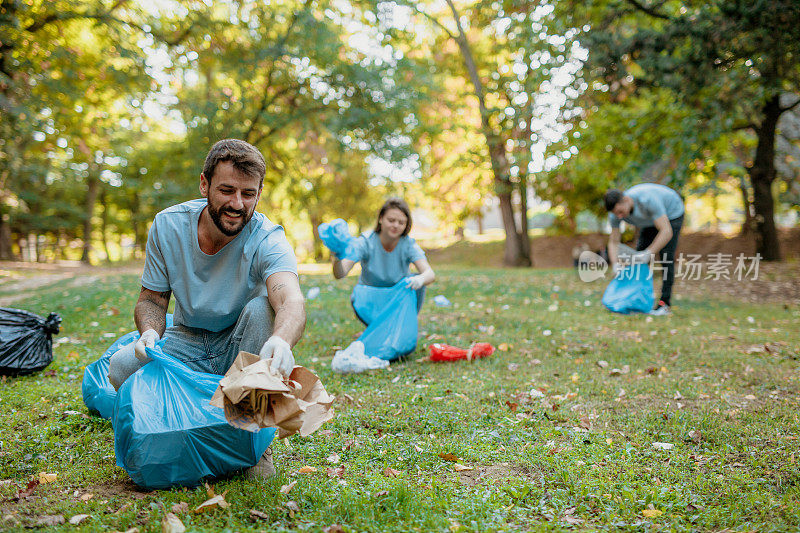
(147, 340)
(642, 258)
(281, 354)
(415, 282)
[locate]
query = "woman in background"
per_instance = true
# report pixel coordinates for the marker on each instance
(387, 253)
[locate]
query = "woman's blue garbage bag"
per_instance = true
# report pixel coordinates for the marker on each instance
(336, 236)
(391, 317)
(631, 291)
(98, 394)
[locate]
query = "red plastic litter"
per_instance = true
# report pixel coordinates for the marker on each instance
(444, 352)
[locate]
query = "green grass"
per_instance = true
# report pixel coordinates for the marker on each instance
(581, 457)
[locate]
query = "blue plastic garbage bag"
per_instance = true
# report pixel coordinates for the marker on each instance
(98, 394)
(391, 317)
(631, 291)
(167, 434)
(336, 236)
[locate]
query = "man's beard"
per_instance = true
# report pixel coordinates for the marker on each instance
(216, 216)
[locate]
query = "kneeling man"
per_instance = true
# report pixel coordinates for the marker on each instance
(232, 272)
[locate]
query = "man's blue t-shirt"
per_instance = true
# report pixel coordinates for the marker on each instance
(211, 290)
(650, 201)
(380, 268)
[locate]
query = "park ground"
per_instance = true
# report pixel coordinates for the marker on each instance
(581, 421)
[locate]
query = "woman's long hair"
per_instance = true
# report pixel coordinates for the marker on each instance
(394, 203)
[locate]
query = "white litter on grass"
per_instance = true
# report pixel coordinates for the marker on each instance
(536, 393)
(353, 360)
(547, 333)
(663, 445)
(441, 301)
(312, 293)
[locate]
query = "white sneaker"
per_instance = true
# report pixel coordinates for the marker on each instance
(661, 310)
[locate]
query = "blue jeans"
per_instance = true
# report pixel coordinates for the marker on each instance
(203, 350)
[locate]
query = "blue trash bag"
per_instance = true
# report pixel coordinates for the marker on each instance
(98, 393)
(336, 236)
(391, 317)
(167, 434)
(631, 291)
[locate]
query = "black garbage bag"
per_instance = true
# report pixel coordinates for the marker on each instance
(26, 340)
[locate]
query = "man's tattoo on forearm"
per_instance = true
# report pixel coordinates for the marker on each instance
(278, 287)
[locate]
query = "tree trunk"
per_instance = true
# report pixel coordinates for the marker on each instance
(480, 223)
(513, 253)
(523, 228)
(762, 174)
(747, 225)
(6, 252)
(93, 188)
(318, 249)
(104, 223)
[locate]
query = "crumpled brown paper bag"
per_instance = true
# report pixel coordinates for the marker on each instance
(253, 398)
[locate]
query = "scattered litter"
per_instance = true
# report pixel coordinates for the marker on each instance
(353, 360)
(663, 445)
(312, 293)
(441, 301)
(255, 397)
(445, 352)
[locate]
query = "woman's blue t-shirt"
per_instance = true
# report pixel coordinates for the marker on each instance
(380, 268)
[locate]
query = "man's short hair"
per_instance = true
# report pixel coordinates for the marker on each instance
(612, 198)
(242, 155)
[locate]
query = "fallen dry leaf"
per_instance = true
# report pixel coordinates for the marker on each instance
(391, 472)
(307, 470)
(449, 457)
(44, 477)
(585, 423)
(651, 513)
(28, 490)
(335, 528)
(86, 497)
(461, 468)
(258, 514)
(286, 488)
(212, 503)
(172, 524)
(602, 364)
(503, 347)
(696, 436)
(181, 507)
(292, 507)
(78, 518)
(335, 472)
(381, 493)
